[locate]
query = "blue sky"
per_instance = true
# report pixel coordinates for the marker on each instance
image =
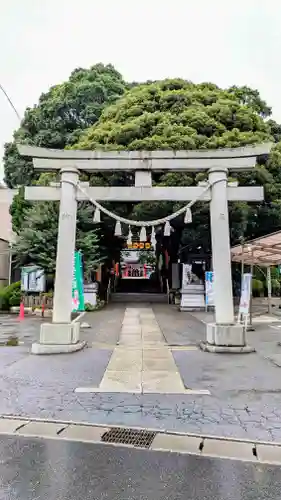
(222, 41)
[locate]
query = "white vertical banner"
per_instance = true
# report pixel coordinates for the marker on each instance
(186, 275)
(209, 289)
(246, 289)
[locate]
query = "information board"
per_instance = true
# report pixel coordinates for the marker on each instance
(33, 279)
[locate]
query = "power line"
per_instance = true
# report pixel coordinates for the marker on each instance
(10, 101)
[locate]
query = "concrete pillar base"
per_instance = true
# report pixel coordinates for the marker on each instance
(60, 333)
(226, 335)
(38, 348)
(56, 338)
(226, 349)
(226, 338)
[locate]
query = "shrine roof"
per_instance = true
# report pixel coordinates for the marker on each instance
(263, 251)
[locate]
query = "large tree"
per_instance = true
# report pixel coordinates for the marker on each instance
(171, 114)
(178, 114)
(56, 122)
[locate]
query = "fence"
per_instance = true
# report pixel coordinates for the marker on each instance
(37, 301)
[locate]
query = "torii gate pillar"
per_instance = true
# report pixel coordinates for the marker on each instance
(62, 335)
(224, 335)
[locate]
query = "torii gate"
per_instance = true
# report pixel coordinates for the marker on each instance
(224, 335)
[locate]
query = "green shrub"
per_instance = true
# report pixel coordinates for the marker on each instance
(89, 307)
(12, 341)
(257, 287)
(275, 285)
(6, 293)
(15, 298)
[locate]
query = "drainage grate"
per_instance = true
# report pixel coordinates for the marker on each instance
(132, 437)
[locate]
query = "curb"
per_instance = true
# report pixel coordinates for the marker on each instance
(248, 450)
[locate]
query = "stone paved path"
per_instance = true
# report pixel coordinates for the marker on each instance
(142, 362)
(245, 399)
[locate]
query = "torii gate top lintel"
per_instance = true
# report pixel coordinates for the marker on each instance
(242, 158)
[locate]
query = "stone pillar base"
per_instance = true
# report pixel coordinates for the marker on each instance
(226, 338)
(56, 338)
(204, 346)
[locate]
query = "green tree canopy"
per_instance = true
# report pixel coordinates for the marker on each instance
(178, 114)
(61, 115)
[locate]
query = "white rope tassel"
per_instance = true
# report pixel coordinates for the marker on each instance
(167, 229)
(143, 234)
(118, 229)
(153, 238)
(188, 216)
(138, 223)
(130, 237)
(96, 215)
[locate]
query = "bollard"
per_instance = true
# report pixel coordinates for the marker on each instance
(21, 313)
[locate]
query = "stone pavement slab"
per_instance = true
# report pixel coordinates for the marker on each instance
(121, 381)
(268, 453)
(125, 360)
(137, 370)
(183, 444)
(45, 429)
(10, 425)
(85, 433)
(228, 449)
(159, 382)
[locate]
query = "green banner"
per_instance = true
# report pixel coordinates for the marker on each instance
(77, 284)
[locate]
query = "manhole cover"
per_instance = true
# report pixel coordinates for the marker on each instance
(133, 437)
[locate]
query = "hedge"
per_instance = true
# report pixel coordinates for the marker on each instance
(10, 296)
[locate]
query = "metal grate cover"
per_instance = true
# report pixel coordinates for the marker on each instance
(132, 437)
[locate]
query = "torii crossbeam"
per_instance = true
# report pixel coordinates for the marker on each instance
(224, 335)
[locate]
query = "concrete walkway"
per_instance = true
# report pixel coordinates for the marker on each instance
(234, 396)
(142, 362)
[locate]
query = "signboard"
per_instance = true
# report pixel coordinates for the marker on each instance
(33, 279)
(78, 303)
(90, 293)
(245, 298)
(138, 245)
(186, 275)
(209, 289)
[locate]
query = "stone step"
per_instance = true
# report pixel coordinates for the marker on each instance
(139, 297)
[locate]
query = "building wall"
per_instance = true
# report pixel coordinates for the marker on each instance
(4, 262)
(6, 234)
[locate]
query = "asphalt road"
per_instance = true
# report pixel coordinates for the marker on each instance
(35, 469)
